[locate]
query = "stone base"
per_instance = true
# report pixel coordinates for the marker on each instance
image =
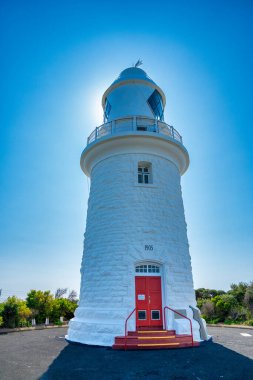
(106, 324)
(100, 330)
(93, 333)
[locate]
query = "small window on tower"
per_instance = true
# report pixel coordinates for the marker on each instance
(107, 110)
(144, 172)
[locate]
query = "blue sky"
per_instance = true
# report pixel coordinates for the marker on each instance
(57, 60)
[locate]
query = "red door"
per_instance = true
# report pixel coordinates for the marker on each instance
(148, 298)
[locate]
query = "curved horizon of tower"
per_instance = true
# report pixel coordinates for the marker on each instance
(136, 252)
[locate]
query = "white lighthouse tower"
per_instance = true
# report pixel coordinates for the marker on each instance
(136, 262)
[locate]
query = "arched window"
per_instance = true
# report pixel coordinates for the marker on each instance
(144, 172)
(147, 268)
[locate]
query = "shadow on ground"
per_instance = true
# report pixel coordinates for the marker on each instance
(210, 361)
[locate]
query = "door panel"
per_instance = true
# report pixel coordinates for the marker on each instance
(141, 301)
(148, 301)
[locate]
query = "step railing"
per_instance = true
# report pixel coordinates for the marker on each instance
(181, 315)
(126, 325)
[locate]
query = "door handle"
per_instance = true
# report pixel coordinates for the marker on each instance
(148, 299)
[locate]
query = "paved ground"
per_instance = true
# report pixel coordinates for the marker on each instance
(45, 355)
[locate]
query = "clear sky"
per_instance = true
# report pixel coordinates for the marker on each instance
(57, 59)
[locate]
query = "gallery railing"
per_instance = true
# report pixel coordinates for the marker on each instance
(134, 123)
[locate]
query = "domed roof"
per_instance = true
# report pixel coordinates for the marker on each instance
(133, 73)
(129, 75)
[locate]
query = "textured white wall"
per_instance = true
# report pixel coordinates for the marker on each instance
(122, 218)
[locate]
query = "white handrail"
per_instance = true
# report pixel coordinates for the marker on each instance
(134, 123)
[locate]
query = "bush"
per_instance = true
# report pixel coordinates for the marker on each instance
(238, 314)
(248, 298)
(238, 291)
(62, 307)
(1, 307)
(207, 310)
(58, 323)
(10, 312)
(235, 306)
(249, 322)
(15, 312)
(203, 293)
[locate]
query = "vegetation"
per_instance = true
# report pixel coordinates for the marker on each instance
(232, 307)
(38, 305)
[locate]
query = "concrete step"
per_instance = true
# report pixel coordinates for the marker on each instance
(154, 346)
(153, 339)
(151, 333)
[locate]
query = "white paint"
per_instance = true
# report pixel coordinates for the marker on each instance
(135, 143)
(123, 217)
(128, 101)
(129, 93)
(245, 334)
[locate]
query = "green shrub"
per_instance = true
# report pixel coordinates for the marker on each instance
(10, 312)
(1, 307)
(62, 307)
(249, 322)
(25, 323)
(238, 291)
(58, 323)
(248, 298)
(15, 312)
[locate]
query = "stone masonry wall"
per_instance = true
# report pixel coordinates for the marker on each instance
(124, 216)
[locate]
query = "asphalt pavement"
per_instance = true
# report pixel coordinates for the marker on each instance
(45, 355)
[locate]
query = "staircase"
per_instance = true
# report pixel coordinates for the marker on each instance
(153, 340)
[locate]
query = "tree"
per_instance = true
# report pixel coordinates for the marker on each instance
(73, 296)
(248, 298)
(10, 312)
(1, 307)
(15, 312)
(238, 291)
(41, 304)
(207, 310)
(203, 293)
(223, 305)
(24, 313)
(60, 292)
(62, 307)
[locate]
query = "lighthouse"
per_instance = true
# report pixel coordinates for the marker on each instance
(136, 274)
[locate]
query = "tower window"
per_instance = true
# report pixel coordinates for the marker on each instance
(144, 172)
(107, 109)
(156, 104)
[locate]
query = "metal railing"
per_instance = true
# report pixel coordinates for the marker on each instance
(134, 123)
(164, 319)
(126, 325)
(176, 312)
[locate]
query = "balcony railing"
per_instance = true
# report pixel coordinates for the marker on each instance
(136, 124)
